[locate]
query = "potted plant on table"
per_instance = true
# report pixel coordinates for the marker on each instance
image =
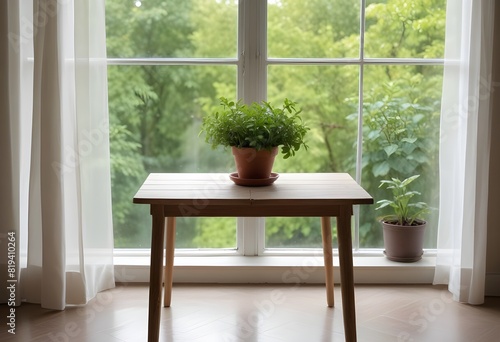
(255, 132)
(404, 228)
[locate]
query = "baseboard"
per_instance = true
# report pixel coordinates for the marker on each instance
(492, 284)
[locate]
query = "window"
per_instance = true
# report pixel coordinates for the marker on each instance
(367, 75)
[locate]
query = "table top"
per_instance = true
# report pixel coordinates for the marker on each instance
(215, 189)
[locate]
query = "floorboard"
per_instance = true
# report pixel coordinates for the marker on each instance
(270, 313)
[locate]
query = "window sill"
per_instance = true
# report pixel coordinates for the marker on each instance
(230, 268)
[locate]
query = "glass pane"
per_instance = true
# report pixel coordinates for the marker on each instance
(296, 232)
(405, 29)
(171, 28)
(401, 139)
(313, 28)
(155, 117)
(328, 98)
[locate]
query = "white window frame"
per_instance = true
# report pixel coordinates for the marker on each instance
(252, 63)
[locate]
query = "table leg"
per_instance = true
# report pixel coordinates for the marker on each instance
(155, 273)
(346, 272)
(169, 261)
(326, 234)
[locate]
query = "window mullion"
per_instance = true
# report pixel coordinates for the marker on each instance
(359, 152)
(254, 72)
(252, 87)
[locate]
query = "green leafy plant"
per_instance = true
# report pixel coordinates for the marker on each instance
(404, 213)
(399, 131)
(259, 125)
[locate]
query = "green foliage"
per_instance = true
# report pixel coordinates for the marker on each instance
(312, 28)
(297, 232)
(258, 125)
(215, 232)
(400, 131)
(404, 212)
(410, 29)
(127, 170)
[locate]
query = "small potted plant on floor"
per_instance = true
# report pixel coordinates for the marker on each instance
(404, 228)
(255, 132)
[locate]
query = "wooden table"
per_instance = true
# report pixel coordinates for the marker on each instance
(321, 195)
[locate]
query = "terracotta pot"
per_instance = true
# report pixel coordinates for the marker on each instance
(404, 243)
(253, 164)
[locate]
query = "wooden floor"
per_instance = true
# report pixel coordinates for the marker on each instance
(274, 313)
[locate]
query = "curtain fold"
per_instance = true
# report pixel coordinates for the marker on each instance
(464, 149)
(65, 227)
(9, 208)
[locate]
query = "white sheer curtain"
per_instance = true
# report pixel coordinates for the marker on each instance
(464, 149)
(59, 149)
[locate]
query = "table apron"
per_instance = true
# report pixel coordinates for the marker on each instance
(189, 210)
